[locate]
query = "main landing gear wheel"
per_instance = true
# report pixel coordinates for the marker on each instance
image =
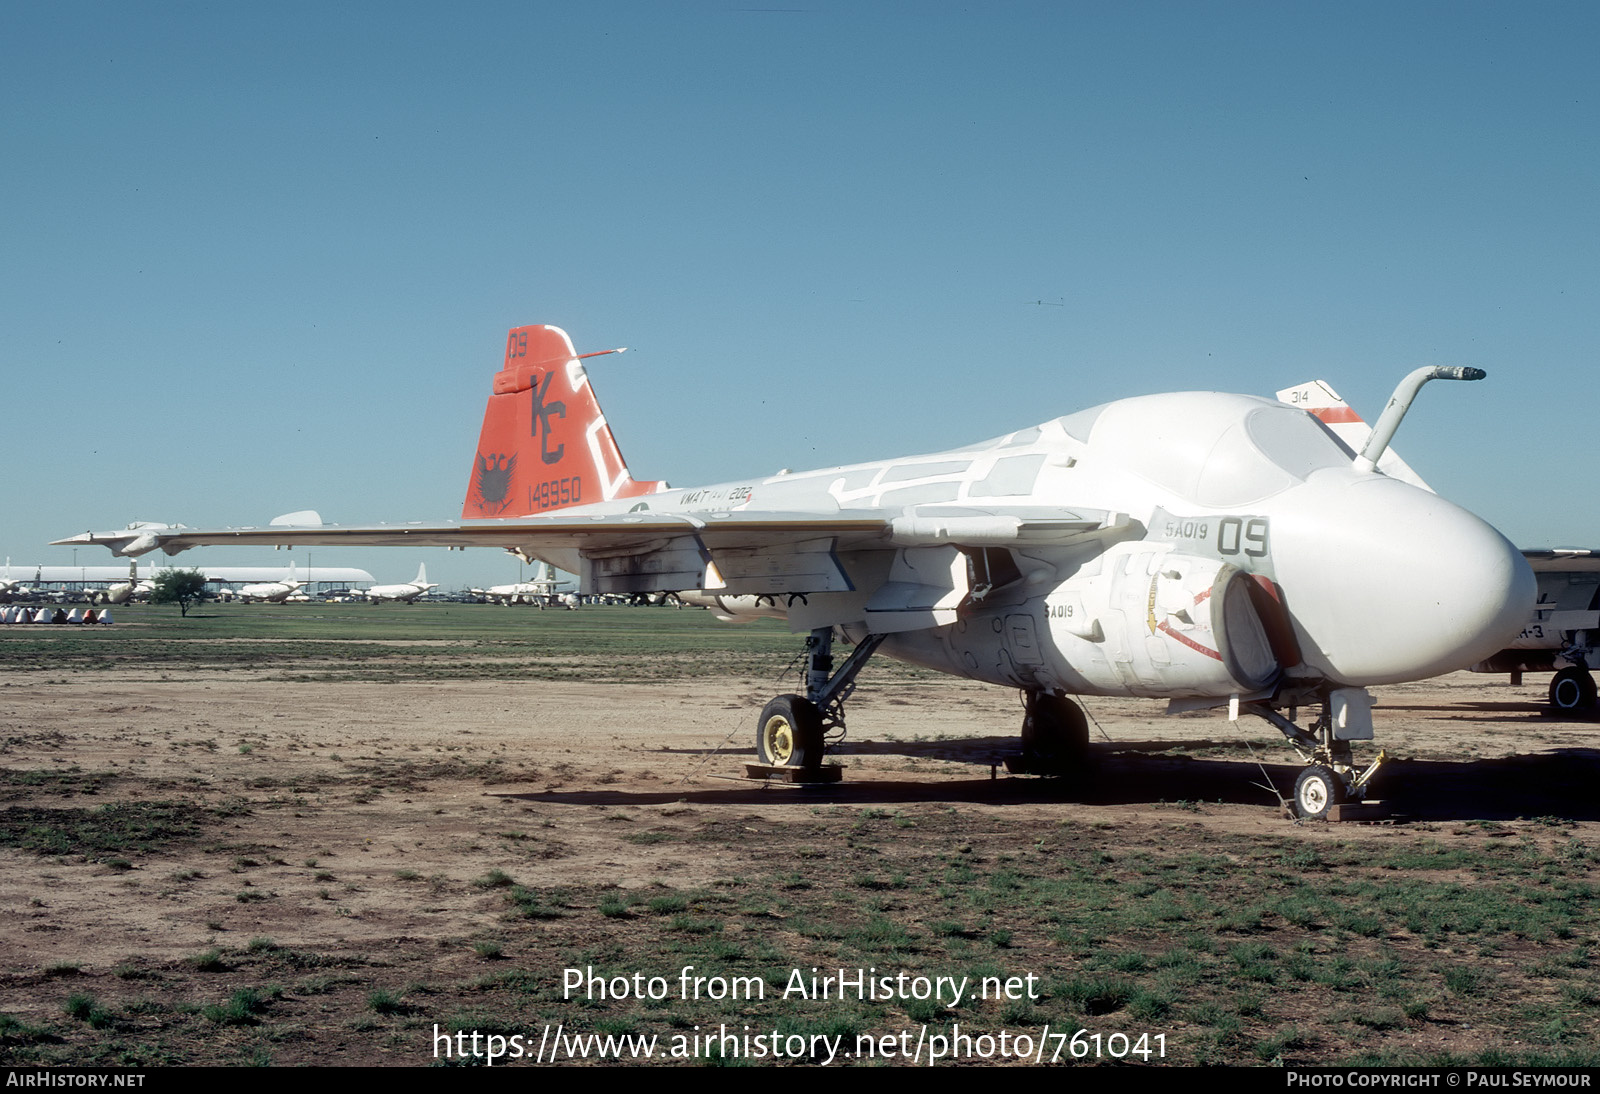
(1572, 690)
(1317, 791)
(1055, 735)
(789, 733)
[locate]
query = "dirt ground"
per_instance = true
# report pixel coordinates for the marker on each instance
(357, 816)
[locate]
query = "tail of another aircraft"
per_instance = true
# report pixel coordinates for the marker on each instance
(1323, 403)
(545, 444)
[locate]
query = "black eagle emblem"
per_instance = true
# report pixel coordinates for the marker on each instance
(494, 479)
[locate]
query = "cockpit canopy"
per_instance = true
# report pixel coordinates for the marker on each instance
(1217, 451)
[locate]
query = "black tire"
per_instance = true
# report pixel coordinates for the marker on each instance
(789, 733)
(1316, 792)
(1055, 735)
(1572, 691)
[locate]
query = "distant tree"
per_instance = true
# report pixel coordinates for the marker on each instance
(182, 587)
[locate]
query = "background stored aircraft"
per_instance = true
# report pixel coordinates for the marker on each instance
(405, 593)
(270, 592)
(544, 589)
(1564, 630)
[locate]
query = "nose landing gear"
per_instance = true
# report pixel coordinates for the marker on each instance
(1317, 791)
(1330, 778)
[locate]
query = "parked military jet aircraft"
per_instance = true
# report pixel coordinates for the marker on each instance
(406, 592)
(1205, 548)
(1564, 632)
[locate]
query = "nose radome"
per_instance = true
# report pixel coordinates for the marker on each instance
(1388, 583)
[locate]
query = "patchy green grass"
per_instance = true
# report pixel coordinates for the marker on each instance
(424, 642)
(1221, 944)
(1292, 948)
(241, 1008)
(122, 827)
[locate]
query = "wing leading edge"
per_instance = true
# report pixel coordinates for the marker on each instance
(731, 553)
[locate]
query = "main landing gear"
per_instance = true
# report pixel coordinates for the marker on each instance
(1572, 691)
(793, 729)
(789, 732)
(1055, 735)
(1330, 777)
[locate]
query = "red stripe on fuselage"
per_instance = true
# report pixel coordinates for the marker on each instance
(1187, 641)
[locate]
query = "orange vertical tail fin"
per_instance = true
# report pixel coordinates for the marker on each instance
(545, 444)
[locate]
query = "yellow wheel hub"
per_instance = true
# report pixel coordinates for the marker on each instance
(780, 739)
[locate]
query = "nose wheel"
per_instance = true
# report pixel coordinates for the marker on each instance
(1317, 791)
(1330, 777)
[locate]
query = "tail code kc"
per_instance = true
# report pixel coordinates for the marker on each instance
(545, 443)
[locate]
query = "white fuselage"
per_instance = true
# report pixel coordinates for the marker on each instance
(397, 592)
(271, 592)
(519, 592)
(1377, 581)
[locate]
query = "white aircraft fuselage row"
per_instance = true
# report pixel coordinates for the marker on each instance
(542, 590)
(1206, 548)
(404, 593)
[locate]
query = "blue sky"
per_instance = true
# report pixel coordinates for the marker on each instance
(259, 258)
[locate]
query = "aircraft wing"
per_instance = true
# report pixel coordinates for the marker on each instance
(1563, 560)
(735, 552)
